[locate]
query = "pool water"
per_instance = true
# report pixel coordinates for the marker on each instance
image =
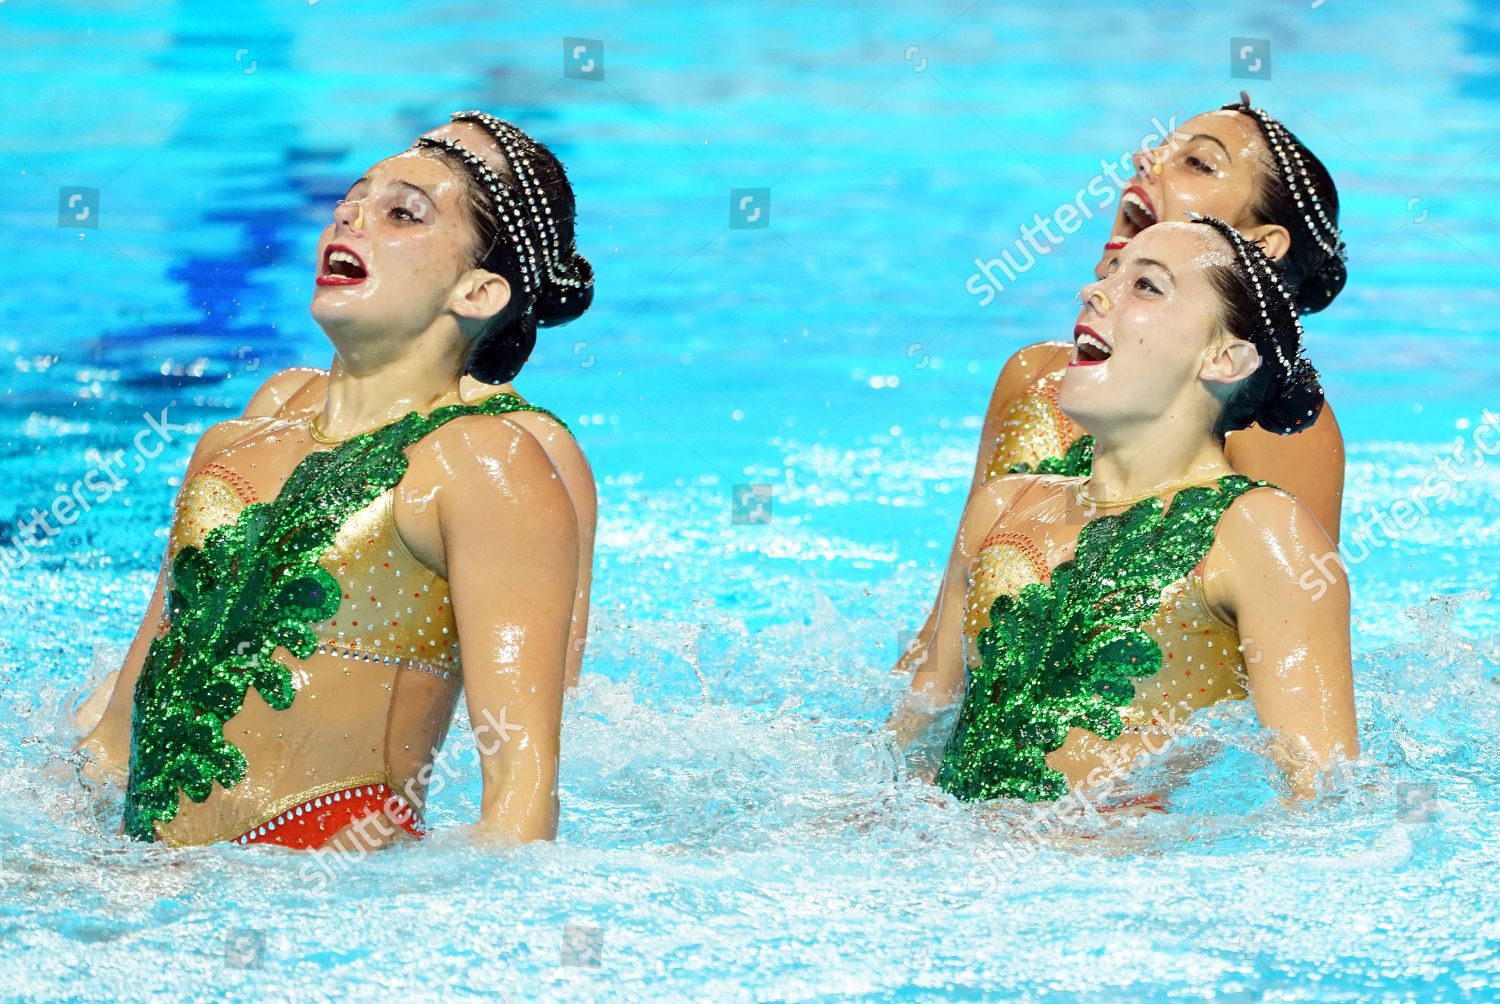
(782, 420)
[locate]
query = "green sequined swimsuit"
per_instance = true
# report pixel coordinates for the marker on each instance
(269, 575)
(1068, 652)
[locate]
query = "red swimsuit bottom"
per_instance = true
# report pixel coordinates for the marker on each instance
(314, 823)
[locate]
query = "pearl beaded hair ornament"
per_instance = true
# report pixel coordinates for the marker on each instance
(547, 270)
(565, 266)
(1292, 169)
(1296, 394)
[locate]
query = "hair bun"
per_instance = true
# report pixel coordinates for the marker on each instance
(499, 357)
(1317, 289)
(1292, 408)
(558, 303)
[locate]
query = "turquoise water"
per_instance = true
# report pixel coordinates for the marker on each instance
(730, 829)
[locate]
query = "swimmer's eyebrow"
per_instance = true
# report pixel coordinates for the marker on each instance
(419, 190)
(1153, 261)
(1212, 139)
(404, 184)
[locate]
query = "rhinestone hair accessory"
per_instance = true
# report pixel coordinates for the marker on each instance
(1270, 295)
(1293, 171)
(548, 270)
(565, 266)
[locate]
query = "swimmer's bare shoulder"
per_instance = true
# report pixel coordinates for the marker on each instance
(1024, 368)
(1309, 464)
(281, 389)
(566, 455)
(1027, 365)
(1265, 533)
(509, 447)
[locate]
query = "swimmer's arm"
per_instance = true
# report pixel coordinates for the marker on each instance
(938, 681)
(1309, 464)
(1282, 584)
(510, 546)
(578, 480)
(1020, 371)
(272, 396)
(587, 510)
(108, 739)
(105, 715)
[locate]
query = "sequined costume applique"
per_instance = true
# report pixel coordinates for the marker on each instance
(1065, 653)
(1035, 436)
(252, 585)
(1077, 461)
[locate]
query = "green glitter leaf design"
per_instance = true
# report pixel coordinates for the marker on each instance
(1066, 653)
(256, 584)
(1076, 462)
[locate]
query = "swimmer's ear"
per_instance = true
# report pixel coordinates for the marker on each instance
(1228, 360)
(1273, 239)
(479, 294)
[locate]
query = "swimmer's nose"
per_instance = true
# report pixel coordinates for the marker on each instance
(1093, 299)
(1143, 161)
(350, 214)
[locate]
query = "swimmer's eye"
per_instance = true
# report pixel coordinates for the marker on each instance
(1200, 165)
(1147, 285)
(410, 216)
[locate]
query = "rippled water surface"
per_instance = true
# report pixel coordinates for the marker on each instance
(731, 829)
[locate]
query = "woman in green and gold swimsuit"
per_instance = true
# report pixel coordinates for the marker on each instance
(1084, 617)
(301, 390)
(1240, 164)
(337, 578)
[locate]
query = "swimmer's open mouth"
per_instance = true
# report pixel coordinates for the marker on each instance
(1137, 212)
(1088, 348)
(341, 267)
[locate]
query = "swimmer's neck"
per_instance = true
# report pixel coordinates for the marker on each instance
(1139, 461)
(368, 389)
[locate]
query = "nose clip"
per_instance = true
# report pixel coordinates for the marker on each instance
(359, 217)
(1153, 157)
(1097, 294)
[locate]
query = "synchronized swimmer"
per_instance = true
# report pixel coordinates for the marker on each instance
(1145, 500)
(1083, 615)
(1241, 165)
(298, 668)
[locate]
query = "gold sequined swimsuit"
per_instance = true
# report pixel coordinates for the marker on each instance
(1033, 429)
(369, 701)
(1039, 697)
